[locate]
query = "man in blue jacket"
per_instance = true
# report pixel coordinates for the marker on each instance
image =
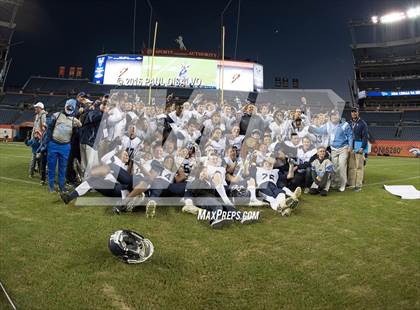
(360, 147)
(340, 138)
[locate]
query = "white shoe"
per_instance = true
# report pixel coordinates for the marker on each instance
(151, 209)
(297, 193)
(190, 208)
(342, 188)
(281, 206)
(306, 191)
(256, 203)
(133, 202)
(291, 203)
(286, 212)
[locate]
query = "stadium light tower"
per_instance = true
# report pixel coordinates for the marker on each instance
(8, 9)
(394, 17)
(414, 12)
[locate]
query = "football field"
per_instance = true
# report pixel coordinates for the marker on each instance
(348, 250)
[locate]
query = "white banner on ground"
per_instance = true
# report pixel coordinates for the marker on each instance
(404, 191)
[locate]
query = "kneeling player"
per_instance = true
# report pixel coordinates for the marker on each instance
(322, 168)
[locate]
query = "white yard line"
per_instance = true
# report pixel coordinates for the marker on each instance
(390, 165)
(17, 180)
(13, 144)
(18, 156)
(394, 180)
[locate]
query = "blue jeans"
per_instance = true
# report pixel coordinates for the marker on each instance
(57, 153)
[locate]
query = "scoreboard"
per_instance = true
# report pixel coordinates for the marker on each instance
(169, 71)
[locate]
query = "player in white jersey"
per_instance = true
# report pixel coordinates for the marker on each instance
(266, 180)
(215, 170)
(305, 155)
(130, 142)
(111, 179)
(278, 126)
(235, 139)
(217, 142)
(188, 135)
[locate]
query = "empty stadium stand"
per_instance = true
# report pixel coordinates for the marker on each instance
(383, 132)
(410, 133)
(48, 85)
(381, 118)
(57, 85)
(411, 117)
(25, 116)
(8, 116)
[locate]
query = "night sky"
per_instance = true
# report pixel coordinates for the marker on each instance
(306, 39)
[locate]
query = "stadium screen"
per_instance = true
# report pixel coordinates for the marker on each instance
(132, 70)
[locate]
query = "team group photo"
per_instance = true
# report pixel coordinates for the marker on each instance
(249, 170)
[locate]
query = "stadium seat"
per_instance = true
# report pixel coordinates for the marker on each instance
(411, 117)
(8, 116)
(410, 133)
(381, 118)
(25, 116)
(383, 133)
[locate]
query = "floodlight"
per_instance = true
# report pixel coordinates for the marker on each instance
(393, 17)
(375, 19)
(413, 12)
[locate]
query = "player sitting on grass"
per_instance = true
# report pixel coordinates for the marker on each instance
(266, 179)
(207, 194)
(111, 180)
(322, 168)
(305, 155)
(168, 183)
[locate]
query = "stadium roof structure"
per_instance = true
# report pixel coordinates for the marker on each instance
(8, 11)
(386, 58)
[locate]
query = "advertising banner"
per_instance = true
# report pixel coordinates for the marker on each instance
(396, 148)
(237, 75)
(120, 69)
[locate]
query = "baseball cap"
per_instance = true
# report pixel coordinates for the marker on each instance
(82, 94)
(39, 105)
(355, 109)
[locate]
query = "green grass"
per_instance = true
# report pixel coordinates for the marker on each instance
(348, 250)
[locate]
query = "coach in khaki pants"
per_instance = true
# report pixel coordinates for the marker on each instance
(340, 138)
(356, 164)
